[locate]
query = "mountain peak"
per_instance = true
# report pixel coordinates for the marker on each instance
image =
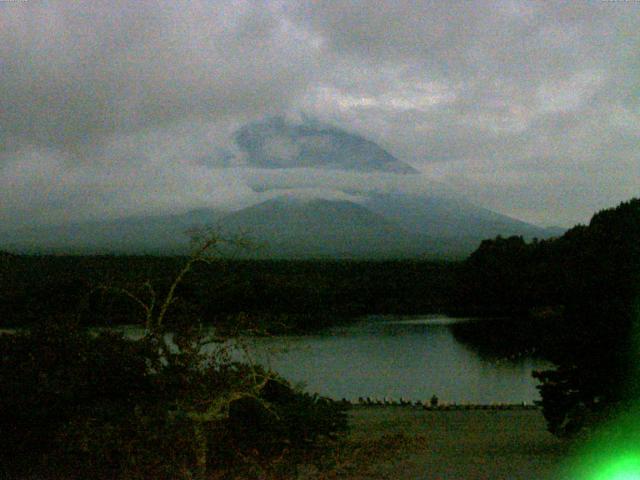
(278, 143)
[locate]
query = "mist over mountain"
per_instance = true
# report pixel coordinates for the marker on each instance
(113, 109)
(308, 191)
(297, 226)
(278, 143)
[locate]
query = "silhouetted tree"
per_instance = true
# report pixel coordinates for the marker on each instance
(77, 405)
(596, 351)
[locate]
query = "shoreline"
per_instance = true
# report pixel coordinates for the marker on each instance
(367, 402)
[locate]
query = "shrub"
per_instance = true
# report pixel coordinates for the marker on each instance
(76, 404)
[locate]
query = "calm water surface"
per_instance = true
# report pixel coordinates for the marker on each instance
(390, 356)
(397, 357)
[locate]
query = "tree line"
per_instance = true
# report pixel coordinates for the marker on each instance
(278, 294)
(576, 300)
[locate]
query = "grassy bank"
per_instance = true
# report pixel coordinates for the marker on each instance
(409, 443)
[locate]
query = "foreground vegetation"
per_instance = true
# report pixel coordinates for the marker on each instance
(75, 405)
(79, 405)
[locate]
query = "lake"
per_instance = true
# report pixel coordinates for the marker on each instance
(392, 356)
(387, 356)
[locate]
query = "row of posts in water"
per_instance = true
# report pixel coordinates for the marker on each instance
(435, 404)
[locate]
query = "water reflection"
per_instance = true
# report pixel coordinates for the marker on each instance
(391, 356)
(397, 357)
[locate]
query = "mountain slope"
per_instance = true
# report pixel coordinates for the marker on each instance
(320, 228)
(449, 218)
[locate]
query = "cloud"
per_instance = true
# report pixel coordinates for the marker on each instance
(111, 108)
(48, 187)
(74, 72)
(357, 183)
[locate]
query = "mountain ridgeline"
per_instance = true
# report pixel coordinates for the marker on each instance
(379, 226)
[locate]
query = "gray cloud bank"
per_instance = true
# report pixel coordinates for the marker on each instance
(112, 108)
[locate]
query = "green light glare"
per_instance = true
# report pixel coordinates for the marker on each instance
(626, 468)
(613, 453)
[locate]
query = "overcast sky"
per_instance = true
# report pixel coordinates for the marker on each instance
(109, 108)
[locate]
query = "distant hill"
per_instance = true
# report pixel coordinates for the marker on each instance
(140, 234)
(277, 143)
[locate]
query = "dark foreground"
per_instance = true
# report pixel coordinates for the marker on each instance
(455, 444)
